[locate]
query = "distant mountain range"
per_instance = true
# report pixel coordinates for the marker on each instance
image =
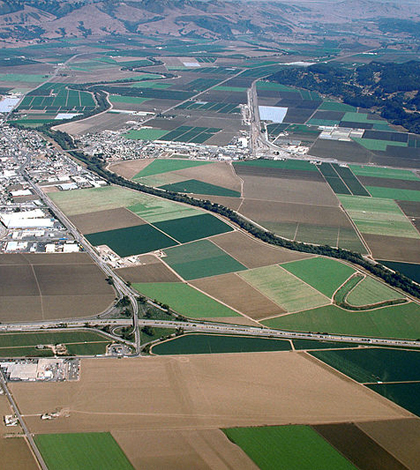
(26, 20)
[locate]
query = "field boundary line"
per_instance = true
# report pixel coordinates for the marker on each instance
(355, 228)
(40, 292)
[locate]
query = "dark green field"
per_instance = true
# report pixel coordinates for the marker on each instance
(192, 228)
(409, 269)
(131, 240)
(199, 187)
(374, 364)
(206, 344)
(406, 395)
(82, 451)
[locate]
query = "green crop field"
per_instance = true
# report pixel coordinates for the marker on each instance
(147, 84)
(283, 288)
(378, 145)
(324, 274)
(185, 300)
(273, 86)
(56, 337)
(164, 166)
(378, 216)
(22, 77)
(403, 394)
(374, 364)
(378, 172)
(230, 88)
(397, 321)
(288, 447)
(393, 193)
(127, 99)
(188, 229)
(336, 106)
(153, 210)
(201, 259)
(283, 164)
(370, 291)
(200, 187)
(132, 240)
(216, 344)
(82, 451)
(82, 201)
(357, 117)
(145, 134)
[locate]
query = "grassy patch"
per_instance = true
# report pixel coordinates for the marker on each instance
(378, 216)
(393, 193)
(288, 447)
(324, 274)
(164, 166)
(185, 300)
(371, 291)
(284, 288)
(378, 145)
(132, 240)
(336, 106)
(153, 210)
(188, 229)
(201, 259)
(397, 321)
(127, 99)
(206, 344)
(82, 451)
(389, 173)
(200, 187)
(145, 134)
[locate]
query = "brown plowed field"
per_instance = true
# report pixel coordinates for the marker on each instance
(101, 221)
(394, 248)
(342, 151)
(253, 253)
(201, 391)
(55, 286)
(245, 170)
(287, 212)
(153, 272)
(390, 183)
(234, 291)
(202, 449)
(130, 168)
(410, 208)
(239, 320)
(220, 174)
(16, 455)
(358, 447)
(231, 202)
(399, 437)
(289, 191)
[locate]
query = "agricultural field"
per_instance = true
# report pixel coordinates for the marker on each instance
(51, 286)
(79, 343)
(291, 447)
(370, 291)
(215, 344)
(81, 450)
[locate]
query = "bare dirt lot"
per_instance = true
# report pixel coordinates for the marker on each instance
(289, 191)
(234, 291)
(178, 450)
(110, 219)
(153, 270)
(130, 168)
(253, 253)
(98, 123)
(16, 455)
(394, 248)
(399, 437)
(201, 392)
(51, 286)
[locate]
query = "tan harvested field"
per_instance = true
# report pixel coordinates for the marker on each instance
(394, 248)
(201, 392)
(110, 219)
(51, 286)
(283, 190)
(254, 253)
(16, 455)
(237, 293)
(399, 437)
(289, 212)
(130, 168)
(154, 271)
(98, 123)
(178, 450)
(239, 320)
(219, 173)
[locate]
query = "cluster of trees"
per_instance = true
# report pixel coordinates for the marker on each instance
(377, 85)
(97, 165)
